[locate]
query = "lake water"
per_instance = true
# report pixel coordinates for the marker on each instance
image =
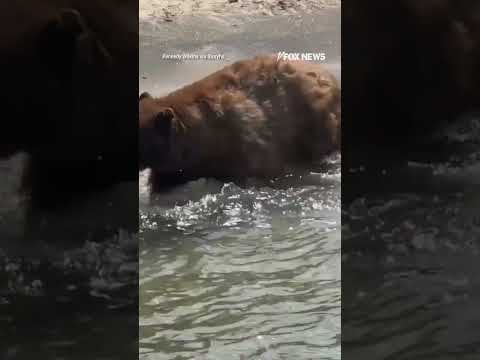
(242, 271)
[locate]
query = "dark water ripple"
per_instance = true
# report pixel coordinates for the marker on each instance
(60, 298)
(410, 268)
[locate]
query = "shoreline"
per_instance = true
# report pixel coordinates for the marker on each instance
(172, 11)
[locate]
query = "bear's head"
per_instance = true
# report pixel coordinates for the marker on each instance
(159, 132)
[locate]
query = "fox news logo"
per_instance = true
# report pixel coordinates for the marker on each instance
(282, 55)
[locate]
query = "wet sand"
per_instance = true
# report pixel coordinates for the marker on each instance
(172, 10)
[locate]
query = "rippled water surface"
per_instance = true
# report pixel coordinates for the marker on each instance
(63, 295)
(243, 271)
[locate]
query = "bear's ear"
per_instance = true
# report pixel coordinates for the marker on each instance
(67, 45)
(163, 123)
(144, 95)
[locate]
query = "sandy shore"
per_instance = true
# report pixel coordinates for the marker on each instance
(171, 10)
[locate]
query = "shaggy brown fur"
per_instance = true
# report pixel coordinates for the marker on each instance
(254, 118)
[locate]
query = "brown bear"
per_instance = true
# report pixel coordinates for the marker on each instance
(69, 71)
(254, 118)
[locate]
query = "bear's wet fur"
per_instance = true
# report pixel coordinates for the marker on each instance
(254, 118)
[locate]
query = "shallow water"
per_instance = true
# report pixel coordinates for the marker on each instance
(242, 271)
(410, 263)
